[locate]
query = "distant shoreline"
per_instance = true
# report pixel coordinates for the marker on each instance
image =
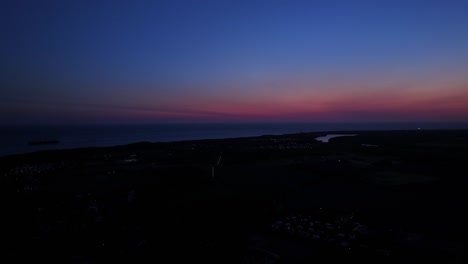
(313, 135)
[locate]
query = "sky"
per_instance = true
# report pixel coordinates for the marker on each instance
(134, 61)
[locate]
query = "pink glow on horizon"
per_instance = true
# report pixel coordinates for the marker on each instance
(357, 105)
(443, 101)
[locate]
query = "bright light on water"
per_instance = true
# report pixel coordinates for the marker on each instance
(326, 138)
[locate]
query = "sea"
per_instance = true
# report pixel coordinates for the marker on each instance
(14, 139)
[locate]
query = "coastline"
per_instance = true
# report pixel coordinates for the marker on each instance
(233, 189)
(310, 136)
(13, 139)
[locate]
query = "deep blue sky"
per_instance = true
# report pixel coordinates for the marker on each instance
(150, 61)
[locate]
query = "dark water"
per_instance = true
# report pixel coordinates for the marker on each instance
(14, 139)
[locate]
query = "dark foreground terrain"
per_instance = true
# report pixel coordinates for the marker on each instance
(377, 197)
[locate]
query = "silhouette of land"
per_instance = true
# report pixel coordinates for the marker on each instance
(376, 197)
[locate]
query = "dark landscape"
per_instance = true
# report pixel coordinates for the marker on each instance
(376, 197)
(246, 131)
